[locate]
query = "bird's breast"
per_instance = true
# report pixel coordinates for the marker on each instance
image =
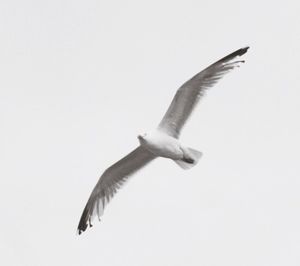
(163, 145)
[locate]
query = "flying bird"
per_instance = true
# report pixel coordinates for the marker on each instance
(161, 142)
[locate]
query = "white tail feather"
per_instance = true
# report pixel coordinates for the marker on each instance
(190, 154)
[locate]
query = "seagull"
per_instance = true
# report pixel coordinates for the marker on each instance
(161, 142)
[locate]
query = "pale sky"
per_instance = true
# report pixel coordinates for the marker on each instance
(81, 79)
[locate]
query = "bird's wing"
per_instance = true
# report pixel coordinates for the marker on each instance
(110, 181)
(190, 92)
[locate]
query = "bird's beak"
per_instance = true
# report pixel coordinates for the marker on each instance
(140, 137)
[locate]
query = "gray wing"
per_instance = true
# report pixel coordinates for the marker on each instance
(110, 181)
(190, 92)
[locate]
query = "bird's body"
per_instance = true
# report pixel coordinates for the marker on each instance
(163, 141)
(162, 145)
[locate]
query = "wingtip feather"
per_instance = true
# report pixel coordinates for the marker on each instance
(84, 221)
(243, 50)
(231, 56)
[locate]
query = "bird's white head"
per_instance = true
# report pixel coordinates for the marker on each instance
(142, 137)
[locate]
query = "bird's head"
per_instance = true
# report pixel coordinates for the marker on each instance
(142, 137)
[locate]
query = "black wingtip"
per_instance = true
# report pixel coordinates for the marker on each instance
(238, 52)
(83, 223)
(243, 50)
(82, 228)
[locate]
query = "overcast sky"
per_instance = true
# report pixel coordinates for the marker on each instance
(81, 79)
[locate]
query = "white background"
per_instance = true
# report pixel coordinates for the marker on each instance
(81, 79)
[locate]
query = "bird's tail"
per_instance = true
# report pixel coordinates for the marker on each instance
(190, 159)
